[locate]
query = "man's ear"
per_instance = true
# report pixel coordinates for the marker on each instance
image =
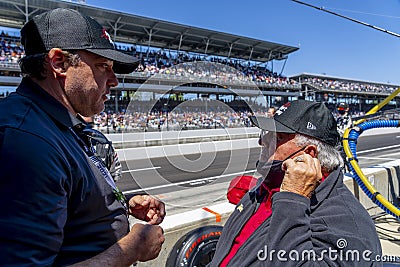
(311, 150)
(58, 62)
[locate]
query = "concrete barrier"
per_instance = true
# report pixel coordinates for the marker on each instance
(146, 139)
(385, 179)
(178, 225)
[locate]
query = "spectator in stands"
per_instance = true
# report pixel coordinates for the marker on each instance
(341, 85)
(343, 120)
(302, 206)
(271, 112)
(59, 205)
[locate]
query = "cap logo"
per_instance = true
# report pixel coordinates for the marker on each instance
(282, 109)
(311, 126)
(107, 36)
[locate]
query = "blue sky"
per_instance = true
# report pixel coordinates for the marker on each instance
(328, 44)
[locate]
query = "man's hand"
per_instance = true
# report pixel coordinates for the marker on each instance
(142, 243)
(147, 208)
(148, 239)
(302, 175)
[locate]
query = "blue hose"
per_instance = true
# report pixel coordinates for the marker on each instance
(353, 136)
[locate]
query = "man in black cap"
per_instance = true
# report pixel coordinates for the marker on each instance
(300, 213)
(59, 203)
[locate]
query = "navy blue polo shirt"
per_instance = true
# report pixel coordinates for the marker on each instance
(55, 206)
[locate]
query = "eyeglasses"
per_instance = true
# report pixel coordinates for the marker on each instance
(101, 146)
(266, 137)
(262, 133)
(96, 136)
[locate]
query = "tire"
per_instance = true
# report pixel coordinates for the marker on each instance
(196, 248)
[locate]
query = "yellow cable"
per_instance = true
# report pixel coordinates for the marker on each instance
(363, 178)
(354, 163)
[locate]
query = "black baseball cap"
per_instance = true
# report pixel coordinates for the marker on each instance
(301, 116)
(68, 29)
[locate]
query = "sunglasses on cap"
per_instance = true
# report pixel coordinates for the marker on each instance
(96, 136)
(263, 133)
(103, 148)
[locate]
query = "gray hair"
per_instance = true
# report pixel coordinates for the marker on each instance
(328, 156)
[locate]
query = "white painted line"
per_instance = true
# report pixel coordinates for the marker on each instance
(144, 169)
(377, 149)
(347, 176)
(377, 158)
(198, 182)
(186, 182)
(176, 220)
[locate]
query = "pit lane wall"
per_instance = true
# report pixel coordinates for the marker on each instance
(149, 139)
(385, 178)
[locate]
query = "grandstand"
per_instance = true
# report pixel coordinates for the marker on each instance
(360, 95)
(180, 62)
